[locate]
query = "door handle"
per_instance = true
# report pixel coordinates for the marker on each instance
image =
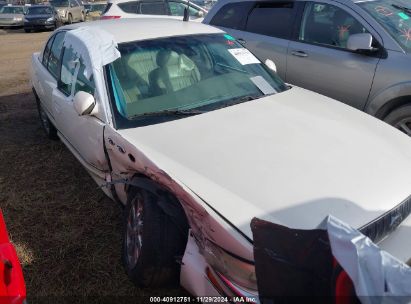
(241, 40)
(299, 54)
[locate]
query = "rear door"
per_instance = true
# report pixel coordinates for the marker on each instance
(83, 135)
(318, 59)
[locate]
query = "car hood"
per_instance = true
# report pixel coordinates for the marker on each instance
(290, 158)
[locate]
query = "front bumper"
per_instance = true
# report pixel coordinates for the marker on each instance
(11, 23)
(38, 25)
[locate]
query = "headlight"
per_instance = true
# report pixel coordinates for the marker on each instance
(51, 19)
(238, 271)
(17, 19)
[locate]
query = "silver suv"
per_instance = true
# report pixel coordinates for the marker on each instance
(357, 51)
(69, 11)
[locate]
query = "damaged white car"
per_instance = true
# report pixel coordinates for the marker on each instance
(196, 137)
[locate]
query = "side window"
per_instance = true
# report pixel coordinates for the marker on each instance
(274, 19)
(55, 52)
(232, 15)
(327, 24)
(68, 69)
(46, 52)
(83, 83)
(73, 76)
(177, 9)
(129, 7)
(73, 3)
(153, 8)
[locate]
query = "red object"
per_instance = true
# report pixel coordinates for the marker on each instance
(109, 17)
(12, 286)
(344, 290)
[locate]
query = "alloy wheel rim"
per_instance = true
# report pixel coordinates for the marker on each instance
(404, 125)
(134, 232)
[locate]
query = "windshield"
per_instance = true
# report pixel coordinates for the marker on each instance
(201, 72)
(41, 10)
(394, 16)
(11, 10)
(60, 3)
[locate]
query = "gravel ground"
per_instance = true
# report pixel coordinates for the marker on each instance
(67, 233)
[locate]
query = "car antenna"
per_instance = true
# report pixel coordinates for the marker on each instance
(186, 12)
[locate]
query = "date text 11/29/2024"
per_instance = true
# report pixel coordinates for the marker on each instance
(239, 299)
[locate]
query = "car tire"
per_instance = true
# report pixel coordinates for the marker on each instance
(47, 125)
(27, 30)
(70, 19)
(154, 264)
(82, 17)
(400, 118)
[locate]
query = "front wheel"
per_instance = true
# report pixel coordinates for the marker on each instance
(153, 241)
(401, 119)
(70, 19)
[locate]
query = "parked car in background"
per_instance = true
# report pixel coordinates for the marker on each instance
(69, 11)
(40, 17)
(357, 52)
(148, 8)
(195, 136)
(12, 16)
(94, 10)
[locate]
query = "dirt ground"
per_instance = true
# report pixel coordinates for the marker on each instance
(67, 233)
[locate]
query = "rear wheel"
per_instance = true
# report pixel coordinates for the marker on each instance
(153, 240)
(27, 30)
(401, 119)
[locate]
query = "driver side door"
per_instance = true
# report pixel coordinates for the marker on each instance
(83, 135)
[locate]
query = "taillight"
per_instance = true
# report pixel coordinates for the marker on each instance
(109, 17)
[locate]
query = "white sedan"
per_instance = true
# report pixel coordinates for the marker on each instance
(195, 136)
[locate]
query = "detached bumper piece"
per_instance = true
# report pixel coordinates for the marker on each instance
(332, 264)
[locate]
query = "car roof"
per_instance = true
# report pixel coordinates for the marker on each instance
(135, 29)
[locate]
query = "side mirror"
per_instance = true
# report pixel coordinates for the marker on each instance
(360, 42)
(271, 65)
(200, 14)
(84, 103)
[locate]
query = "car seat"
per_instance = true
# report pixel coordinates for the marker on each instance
(174, 72)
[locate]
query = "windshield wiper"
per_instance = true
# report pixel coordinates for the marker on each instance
(240, 99)
(403, 8)
(168, 113)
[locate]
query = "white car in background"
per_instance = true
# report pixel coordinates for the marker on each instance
(148, 8)
(195, 136)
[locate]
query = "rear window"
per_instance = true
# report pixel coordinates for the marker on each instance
(106, 8)
(129, 7)
(153, 8)
(232, 15)
(272, 19)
